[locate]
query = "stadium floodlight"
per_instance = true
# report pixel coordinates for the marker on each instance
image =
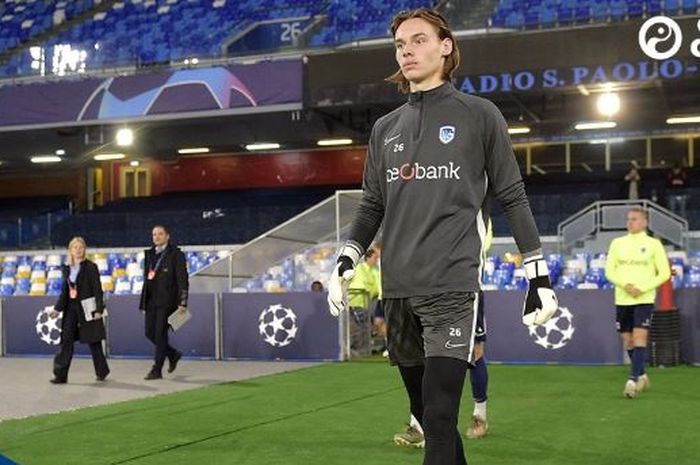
(683, 119)
(263, 146)
(519, 130)
(192, 150)
(608, 103)
(45, 159)
(612, 140)
(108, 156)
(125, 137)
(331, 142)
(595, 125)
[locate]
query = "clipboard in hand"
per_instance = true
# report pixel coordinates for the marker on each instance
(89, 305)
(178, 318)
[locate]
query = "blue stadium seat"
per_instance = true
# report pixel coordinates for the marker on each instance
(582, 15)
(22, 287)
(635, 8)
(692, 280)
(690, 7)
(531, 19)
(671, 7)
(565, 16)
(53, 287)
(567, 282)
(547, 17)
(653, 7)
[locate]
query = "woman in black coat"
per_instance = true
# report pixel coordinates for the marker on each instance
(81, 288)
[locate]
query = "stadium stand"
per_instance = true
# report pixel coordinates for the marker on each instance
(577, 271)
(218, 217)
(356, 20)
(148, 32)
(23, 20)
(235, 217)
(533, 14)
(31, 220)
(121, 273)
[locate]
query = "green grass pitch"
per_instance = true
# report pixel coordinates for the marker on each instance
(347, 413)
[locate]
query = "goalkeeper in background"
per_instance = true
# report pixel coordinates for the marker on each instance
(637, 264)
(429, 165)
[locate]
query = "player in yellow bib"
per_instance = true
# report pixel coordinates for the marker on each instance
(636, 265)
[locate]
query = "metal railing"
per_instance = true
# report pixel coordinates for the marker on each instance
(611, 215)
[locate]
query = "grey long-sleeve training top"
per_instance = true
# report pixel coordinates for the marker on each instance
(429, 165)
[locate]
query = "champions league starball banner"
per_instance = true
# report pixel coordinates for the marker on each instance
(28, 329)
(290, 326)
(581, 331)
(222, 89)
(297, 326)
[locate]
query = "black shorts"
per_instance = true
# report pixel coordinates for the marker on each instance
(379, 310)
(480, 332)
(441, 325)
(633, 316)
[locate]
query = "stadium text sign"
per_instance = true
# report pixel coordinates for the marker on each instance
(528, 80)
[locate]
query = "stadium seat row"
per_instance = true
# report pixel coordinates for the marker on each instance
(579, 271)
(146, 32)
(533, 14)
(120, 273)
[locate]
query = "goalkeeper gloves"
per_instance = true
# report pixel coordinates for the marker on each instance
(341, 277)
(540, 302)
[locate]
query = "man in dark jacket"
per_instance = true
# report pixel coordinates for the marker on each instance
(165, 291)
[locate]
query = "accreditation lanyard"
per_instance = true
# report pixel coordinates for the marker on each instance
(72, 290)
(152, 271)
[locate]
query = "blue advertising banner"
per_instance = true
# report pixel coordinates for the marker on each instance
(688, 302)
(291, 326)
(127, 334)
(28, 330)
(582, 330)
(297, 326)
(221, 88)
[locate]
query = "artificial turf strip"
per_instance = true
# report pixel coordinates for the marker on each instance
(347, 414)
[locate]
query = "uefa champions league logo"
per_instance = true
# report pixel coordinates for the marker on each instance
(48, 329)
(555, 333)
(660, 38)
(278, 325)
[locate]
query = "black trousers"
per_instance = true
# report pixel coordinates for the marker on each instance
(157, 332)
(69, 335)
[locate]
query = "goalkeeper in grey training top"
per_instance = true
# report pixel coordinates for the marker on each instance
(429, 165)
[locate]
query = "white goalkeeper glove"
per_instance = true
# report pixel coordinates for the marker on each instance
(540, 302)
(342, 275)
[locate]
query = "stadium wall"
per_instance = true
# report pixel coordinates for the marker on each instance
(42, 184)
(285, 169)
